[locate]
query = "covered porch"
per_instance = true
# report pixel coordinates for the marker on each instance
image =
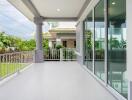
(60, 79)
(39, 11)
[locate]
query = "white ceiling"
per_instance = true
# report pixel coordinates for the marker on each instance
(68, 8)
(48, 8)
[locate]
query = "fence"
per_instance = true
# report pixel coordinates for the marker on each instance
(65, 54)
(11, 63)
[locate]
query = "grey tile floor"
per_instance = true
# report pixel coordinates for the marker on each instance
(54, 81)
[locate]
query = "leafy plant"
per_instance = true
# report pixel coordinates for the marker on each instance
(59, 46)
(89, 39)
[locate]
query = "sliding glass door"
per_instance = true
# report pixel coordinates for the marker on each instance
(105, 51)
(99, 40)
(88, 39)
(117, 46)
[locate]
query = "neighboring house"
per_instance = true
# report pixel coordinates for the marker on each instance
(61, 36)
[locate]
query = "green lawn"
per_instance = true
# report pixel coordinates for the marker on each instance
(10, 68)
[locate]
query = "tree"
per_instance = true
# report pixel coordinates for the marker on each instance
(7, 41)
(45, 43)
(26, 45)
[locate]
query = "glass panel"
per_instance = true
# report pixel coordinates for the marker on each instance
(99, 40)
(117, 46)
(84, 43)
(88, 37)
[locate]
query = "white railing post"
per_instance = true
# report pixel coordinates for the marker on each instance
(7, 65)
(0, 68)
(61, 54)
(10, 63)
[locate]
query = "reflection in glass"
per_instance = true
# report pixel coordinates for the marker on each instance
(88, 37)
(117, 46)
(84, 43)
(99, 40)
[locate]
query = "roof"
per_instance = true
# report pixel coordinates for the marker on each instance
(63, 30)
(47, 35)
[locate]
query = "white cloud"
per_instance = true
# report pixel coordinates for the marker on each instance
(13, 22)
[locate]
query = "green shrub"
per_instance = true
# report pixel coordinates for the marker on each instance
(59, 46)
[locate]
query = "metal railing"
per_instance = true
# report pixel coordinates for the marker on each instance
(63, 54)
(11, 63)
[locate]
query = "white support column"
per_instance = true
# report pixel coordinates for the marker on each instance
(79, 42)
(50, 44)
(61, 54)
(38, 57)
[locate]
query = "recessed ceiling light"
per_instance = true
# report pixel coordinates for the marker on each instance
(113, 3)
(58, 10)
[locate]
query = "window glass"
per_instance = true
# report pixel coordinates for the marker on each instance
(65, 44)
(88, 40)
(117, 45)
(99, 40)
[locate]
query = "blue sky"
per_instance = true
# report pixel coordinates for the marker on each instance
(14, 23)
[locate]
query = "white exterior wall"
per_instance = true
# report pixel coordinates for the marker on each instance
(79, 42)
(79, 30)
(129, 46)
(129, 38)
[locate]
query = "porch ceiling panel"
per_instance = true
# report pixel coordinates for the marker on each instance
(51, 9)
(68, 8)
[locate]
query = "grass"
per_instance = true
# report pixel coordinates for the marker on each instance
(10, 68)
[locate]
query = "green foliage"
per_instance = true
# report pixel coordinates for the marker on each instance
(45, 43)
(7, 42)
(97, 44)
(25, 45)
(59, 46)
(89, 37)
(115, 43)
(123, 44)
